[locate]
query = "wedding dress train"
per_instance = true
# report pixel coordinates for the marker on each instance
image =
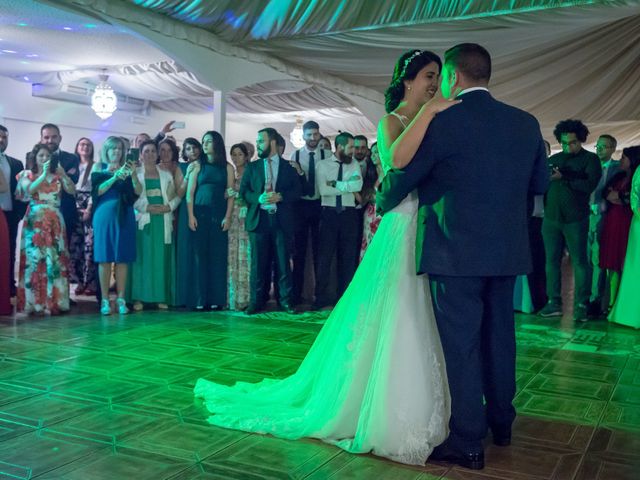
(374, 380)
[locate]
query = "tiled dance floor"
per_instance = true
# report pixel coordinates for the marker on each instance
(88, 398)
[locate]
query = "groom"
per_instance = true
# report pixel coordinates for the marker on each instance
(475, 167)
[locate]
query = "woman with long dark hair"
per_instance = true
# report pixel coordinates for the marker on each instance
(43, 285)
(209, 209)
(374, 379)
(191, 155)
(239, 247)
(626, 310)
(83, 271)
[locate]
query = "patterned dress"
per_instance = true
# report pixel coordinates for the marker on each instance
(83, 270)
(239, 253)
(44, 260)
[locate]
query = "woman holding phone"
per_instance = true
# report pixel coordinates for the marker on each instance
(43, 285)
(114, 191)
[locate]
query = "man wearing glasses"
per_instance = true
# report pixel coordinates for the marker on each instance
(575, 173)
(605, 148)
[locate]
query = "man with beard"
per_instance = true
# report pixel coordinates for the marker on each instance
(50, 136)
(13, 209)
(361, 151)
(306, 161)
(270, 186)
(338, 179)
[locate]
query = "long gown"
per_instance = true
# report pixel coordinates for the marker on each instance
(153, 255)
(626, 310)
(5, 291)
(239, 254)
(374, 380)
(44, 259)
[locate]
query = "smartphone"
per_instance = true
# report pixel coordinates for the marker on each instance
(178, 125)
(133, 154)
(53, 164)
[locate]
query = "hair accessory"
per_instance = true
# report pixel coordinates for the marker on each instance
(408, 61)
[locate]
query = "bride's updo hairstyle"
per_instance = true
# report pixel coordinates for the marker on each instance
(407, 67)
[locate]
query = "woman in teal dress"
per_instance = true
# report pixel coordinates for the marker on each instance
(626, 310)
(152, 276)
(210, 209)
(191, 154)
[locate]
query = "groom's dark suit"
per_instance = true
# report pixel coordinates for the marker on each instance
(473, 171)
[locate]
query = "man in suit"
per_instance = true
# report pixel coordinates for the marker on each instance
(605, 148)
(270, 186)
(477, 164)
(50, 136)
(13, 209)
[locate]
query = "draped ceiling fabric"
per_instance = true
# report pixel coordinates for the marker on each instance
(555, 59)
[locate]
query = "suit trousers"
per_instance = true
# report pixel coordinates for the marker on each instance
(575, 234)
(269, 241)
(537, 278)
(13, 219)
(338, 239)
(477, 329)
(308, 214)
(597, 275)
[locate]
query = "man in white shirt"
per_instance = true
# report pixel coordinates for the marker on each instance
(337, 179)
(605, 148)
(306, 161)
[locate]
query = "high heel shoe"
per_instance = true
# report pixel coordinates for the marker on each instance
(122, 306)
(105, 307)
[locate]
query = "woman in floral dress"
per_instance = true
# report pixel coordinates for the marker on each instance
(373, 176)
(43, 284)
(239, 249)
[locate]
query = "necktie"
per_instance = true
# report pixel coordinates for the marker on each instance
(271, 186)
(339, 208)
(312, 173)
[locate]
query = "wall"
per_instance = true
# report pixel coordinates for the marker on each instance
(23, 115)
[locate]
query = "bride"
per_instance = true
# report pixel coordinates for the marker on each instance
(374, 380)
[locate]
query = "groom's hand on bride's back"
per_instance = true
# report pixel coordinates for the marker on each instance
(384, 198)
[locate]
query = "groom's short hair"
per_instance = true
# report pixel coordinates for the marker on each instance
(471, 59)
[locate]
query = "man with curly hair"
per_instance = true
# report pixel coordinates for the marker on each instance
(575, 173)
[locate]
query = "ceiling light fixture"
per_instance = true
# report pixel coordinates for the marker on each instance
(295, 136)
(104, 101)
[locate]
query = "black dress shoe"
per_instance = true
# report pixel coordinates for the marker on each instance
(288, 309)
(253, 309)
(501, 436)
(473, 461)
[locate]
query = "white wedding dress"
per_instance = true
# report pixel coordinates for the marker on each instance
(374, 380)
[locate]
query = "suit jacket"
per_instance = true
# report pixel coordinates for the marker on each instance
(16, 167)
(71, 164)
(474, 169)
(614, 167)
(288, 185)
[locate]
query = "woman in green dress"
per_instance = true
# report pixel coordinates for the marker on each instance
(153, 272)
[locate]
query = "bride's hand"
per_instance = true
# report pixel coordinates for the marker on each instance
(439, 104)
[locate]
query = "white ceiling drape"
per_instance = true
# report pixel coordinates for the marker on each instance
(555, 59)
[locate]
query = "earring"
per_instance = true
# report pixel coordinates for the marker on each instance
(409, 87)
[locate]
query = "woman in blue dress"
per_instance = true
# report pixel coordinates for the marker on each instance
(114, 190)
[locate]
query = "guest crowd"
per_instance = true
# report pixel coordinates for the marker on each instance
(203, 227)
